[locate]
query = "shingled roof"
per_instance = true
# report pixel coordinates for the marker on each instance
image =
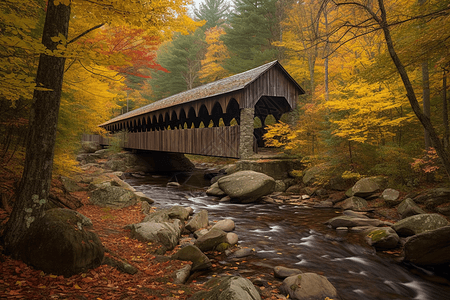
(219, 87)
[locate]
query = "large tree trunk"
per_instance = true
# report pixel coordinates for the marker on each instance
(426, 122)
(34, 187)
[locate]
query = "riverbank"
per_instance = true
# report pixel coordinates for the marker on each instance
(155, 276)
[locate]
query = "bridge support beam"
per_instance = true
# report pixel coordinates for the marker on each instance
(246, 132)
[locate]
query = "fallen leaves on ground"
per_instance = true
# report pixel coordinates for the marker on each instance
(153, 281)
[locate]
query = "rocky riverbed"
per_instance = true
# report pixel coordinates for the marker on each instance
(360, 211)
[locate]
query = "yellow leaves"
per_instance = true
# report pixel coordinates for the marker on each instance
(215, 56)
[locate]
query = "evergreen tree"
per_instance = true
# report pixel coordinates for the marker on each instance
(214, 12)
(182, 58)
(253, 28)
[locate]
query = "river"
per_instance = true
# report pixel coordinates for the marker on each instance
(296, 237)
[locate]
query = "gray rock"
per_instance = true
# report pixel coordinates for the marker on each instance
(347, 221)
(365, 187)
(145, 207)
(382, 238)
(390, 195)
(192, 253)
(355, 214)
(200, 232)
(283, 272)
(247, 186)
(228, 288)
(225, 199)
(178, 212)
(429, 248)
(309, 286)
(225, 225)
(113, 196)
(58, 244)
(211, 240)
(444, 210)
(70, 185)
(280, 186)
(198, 221)
(167, 234)
(434, 197)
(355, 203)
(90, 146)
(159, 216)
(214, 190)
(232, 238)
(409, 208)
(419, 223)
(244, 252)
(142, 197)
(182, 275)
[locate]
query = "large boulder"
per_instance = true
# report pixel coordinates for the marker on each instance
(113, 196)
(192, 253)
(166, 234)
(355, 203)
(59, 243)
(429, 248)
(434, 197)
(365, 187)
(228, 288)
(309, 286)
(198, 221)
(408, 208)
(247, 186)
(383, 238)
(419, 223)
(211, 240)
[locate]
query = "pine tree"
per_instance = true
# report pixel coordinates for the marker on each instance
(182, 58)
(250, 35)
(214, 12)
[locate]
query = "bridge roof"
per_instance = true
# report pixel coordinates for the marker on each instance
(219, 87)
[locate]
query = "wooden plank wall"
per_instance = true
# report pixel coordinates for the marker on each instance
(215, 141)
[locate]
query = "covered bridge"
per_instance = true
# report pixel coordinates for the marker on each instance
(173, 124)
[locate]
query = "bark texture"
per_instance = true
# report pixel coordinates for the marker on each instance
(33, 191)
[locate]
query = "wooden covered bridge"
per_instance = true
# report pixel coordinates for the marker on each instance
(173, 124)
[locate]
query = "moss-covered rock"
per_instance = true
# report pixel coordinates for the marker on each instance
(59, 243)
(383, 238)
(228, 288)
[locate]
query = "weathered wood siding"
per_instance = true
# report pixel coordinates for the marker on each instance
(273, 82)
(214, 141)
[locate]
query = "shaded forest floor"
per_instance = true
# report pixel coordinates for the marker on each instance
(154, 280)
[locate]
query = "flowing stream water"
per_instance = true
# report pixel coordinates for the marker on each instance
(296, 237)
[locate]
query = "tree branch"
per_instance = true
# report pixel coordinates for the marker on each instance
(84, 33)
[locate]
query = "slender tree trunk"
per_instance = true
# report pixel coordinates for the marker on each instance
(426, 123)
(327, 91)
(426, 99)
(34, 187)
(445, 109)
